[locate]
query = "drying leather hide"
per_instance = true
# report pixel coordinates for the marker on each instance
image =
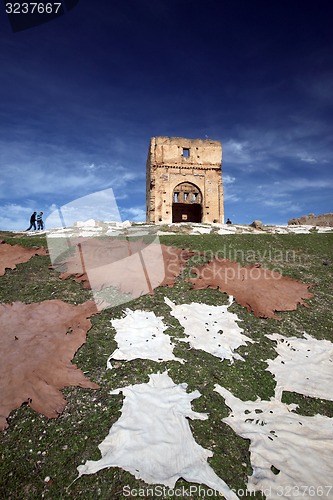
(213, 329)
(289, 452)
(152, 439)
(10, 255)
(37, 344)
(258, 289)
(130, 266)
(303, 365)
(140, 334)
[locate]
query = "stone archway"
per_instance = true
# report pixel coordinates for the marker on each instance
(186, 203)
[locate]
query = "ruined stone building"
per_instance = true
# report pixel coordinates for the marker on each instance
(184, 180)
(313, 220)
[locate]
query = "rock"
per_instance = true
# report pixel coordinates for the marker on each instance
(313, 220)
(293, 222)
(257, 224)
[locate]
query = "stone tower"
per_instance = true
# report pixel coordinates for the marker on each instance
(184, 180)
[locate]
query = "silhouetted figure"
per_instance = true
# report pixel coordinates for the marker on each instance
(228, 221)
(32, 222)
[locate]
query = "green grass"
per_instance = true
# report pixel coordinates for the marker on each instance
(34, 447)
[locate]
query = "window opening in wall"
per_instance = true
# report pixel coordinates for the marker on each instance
(175, 197)
(186, 152)
(185, 196)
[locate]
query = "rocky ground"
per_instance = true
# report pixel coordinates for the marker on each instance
(99, 228)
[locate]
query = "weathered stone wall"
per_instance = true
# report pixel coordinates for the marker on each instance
(174, 160)
(313, 220)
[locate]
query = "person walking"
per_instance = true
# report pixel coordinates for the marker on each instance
(32, 222)
(40, 223)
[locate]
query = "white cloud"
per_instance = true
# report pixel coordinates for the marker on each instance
(257, 149)
(230, 188)
(30, 170)
(100, 205)
(230, 197)
(272, 197)
(236, 152)
(283, 206)
(306, 158)
(134, 214)
(228, 179)
(90, 167)
(319, 88)
(299, 184)
(14, 217)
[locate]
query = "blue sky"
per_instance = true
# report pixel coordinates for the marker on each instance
(82, 95)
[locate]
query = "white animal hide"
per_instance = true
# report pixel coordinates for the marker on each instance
(210, 328)
(303, 365)
(152, 439)
(289, 452)
(140, 334)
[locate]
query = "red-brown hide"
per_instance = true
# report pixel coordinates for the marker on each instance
(37, 344)
(10, 255)
(258, 289)
(136, 264)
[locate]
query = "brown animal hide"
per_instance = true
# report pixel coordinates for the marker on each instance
(131, 266)
(10, 255)
(37, 344)
(258, 289)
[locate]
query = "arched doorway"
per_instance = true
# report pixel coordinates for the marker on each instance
(186, 203)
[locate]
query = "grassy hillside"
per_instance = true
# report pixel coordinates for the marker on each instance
(34, 448)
